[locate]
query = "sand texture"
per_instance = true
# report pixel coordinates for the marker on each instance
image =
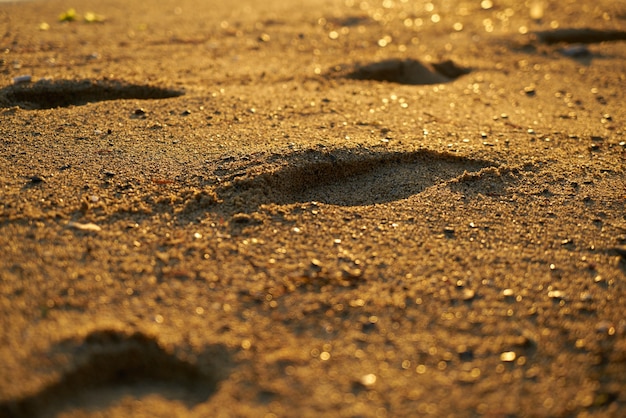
(379, 208)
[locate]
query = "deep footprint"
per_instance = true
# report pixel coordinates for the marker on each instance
(110, 365)
(47, 94)
(409, 71)
(350, 177)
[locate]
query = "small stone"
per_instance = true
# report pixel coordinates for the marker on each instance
(84, 226)
(368, 379)
(468, 294)
(351, 273)
(139, 114)
(508, 356)
(576, 51)
(465, 354)
(556, 294)
(22, 79)
(37, 179)
(605, 327)
(241, 218)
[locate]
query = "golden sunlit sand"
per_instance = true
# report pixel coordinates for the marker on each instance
(316, 208)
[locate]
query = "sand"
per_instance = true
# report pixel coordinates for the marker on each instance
(313, 208)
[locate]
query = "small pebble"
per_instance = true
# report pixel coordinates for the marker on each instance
(556, 294)
(84, 226)
(241, 218)
(508, 356)
(605, 327)
(22, 79)
(464, 353)
(468, 294)
(139, 114)
(576, 51)
(368, 379)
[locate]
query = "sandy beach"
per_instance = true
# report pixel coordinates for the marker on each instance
(345, 208)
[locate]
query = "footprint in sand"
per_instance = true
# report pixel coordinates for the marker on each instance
(580, 36)
(48, 94)
(111, 365)
(350, 177)
(571, 42)
(408, 71)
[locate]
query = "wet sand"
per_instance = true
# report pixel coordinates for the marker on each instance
(315, 208)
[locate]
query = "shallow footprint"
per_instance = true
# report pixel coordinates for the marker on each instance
(110, 366)
(351, 177)
(580, 35)
(48, 94)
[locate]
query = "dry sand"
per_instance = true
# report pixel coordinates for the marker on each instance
(313, 208)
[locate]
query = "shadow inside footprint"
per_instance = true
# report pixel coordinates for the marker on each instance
(109, 365)
(48, 94)
(409, 71)
(350, 177)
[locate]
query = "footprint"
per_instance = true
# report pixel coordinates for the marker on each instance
(354, 177)
(48, 94)
(110, 365)
(409, 71)
(580, 36)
